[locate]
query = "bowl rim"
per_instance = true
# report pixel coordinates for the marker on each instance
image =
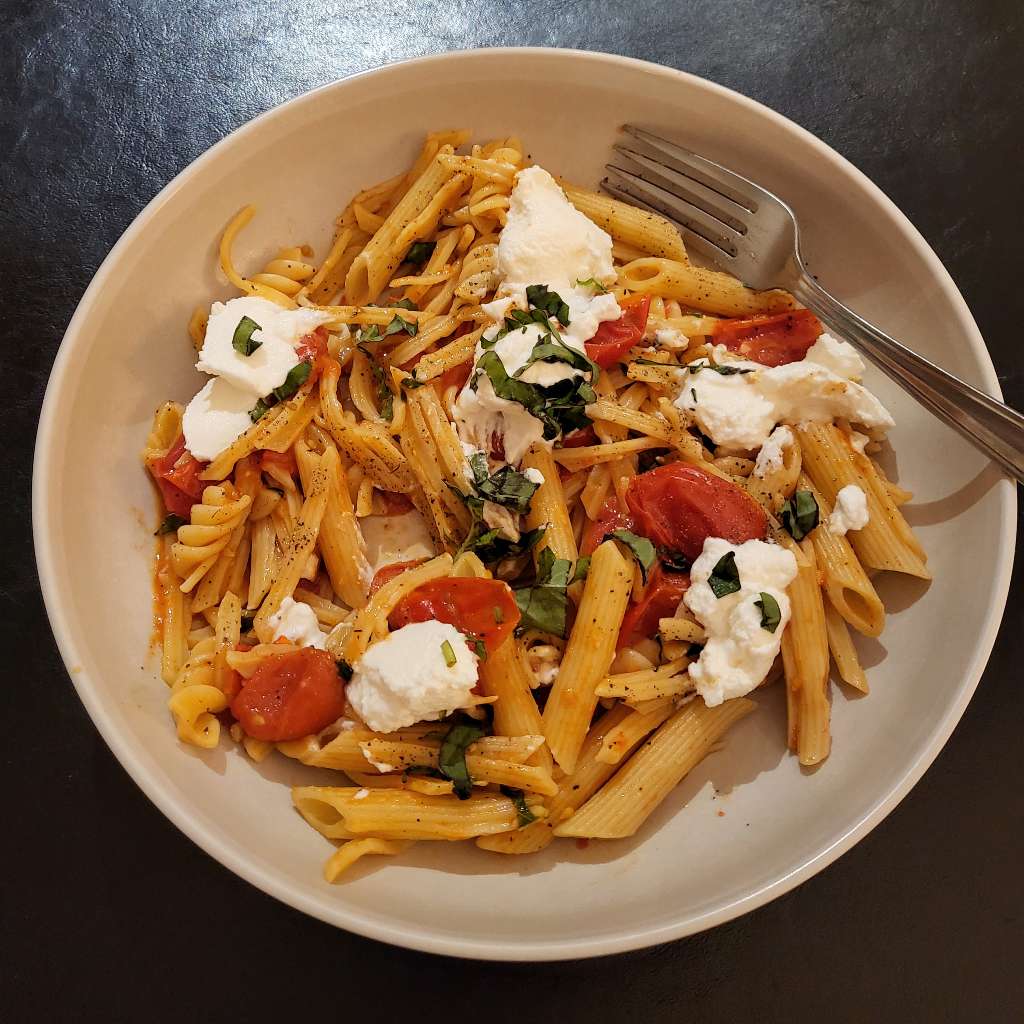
(230, 853)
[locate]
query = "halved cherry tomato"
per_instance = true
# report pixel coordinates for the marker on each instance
(483, 609)
(387, 573)
(290, 696)
(279, 460)
(659, 601)
(455, 377)
(772, 340)
(611, 517)
(312, 345)
(395, 504)
(680, 505)
(581, 438)
(177, 476)
(615, 338)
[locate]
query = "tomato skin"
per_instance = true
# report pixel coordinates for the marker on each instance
(611, 517)
(660, 599)
(466, 603)
(386, 573)
(582, 438)
(311, 346)
(177, 476)
(770, 340)
(290, 696)
(455, 377)
(279, 460)
(680, 505)
(395, 504)
(615, 338)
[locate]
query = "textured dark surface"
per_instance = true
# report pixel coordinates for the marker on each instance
(107, 911)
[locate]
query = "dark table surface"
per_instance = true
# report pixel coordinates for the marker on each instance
(107, 911)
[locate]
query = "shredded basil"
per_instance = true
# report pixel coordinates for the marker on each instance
(592, 282)
(725, 370)
(508, 487)
(405, 304)
(526, 816)
(725, 577)
(398, 324)
(640, 547)
(800, 514)
(297, 376)
(412, 382)
(544, 605)
(344, 669)
(582, 569)
(449, 654)
(368, 334)
(538, 296)
(170, 524)
(419, 253)
(385, 396)
(242, 341)
(674, 561)
(452, 757)
(771, 614)
(479, 647)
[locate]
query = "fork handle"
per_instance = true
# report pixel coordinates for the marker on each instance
(988, 424)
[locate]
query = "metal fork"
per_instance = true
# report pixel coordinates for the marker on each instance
(754, 235)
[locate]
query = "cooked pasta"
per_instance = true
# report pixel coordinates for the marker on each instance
(477, 515)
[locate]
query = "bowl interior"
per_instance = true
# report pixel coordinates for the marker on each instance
(748, 823)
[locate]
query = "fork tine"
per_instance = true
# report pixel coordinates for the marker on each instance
(677, 209)
(690, 191)
(692, 239)
(716, 177)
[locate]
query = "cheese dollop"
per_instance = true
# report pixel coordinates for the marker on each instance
(406, 679)
(738, 650)
(298, 623)
(850, 511)
(215, 417)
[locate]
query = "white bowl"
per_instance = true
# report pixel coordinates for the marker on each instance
(691, 867)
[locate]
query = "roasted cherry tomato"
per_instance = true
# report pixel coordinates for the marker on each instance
(611, 517)
(482, 609)
(680, 505)
(279, 460)
(615, 338)
(771, 340)
(582, 438)
(312, 345)
(290, 696)
(660, 599)
(455, 377)
(387, 573)
(177, 476)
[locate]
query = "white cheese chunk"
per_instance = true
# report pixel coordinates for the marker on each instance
(742, 408)
(850, 511)
(402, 538)
(279, 333)
(669, 337)
(482, 416)
(738, 651)
(215, 417)
(298, 623)
(769, 458)
(535, 476)
(405, 678)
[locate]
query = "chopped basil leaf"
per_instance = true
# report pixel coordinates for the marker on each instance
(771, 615)
(398, 324)
(674, 561)
(242, 341)
(499, 614)
(385, 396)
(412, 382)
(538, 296)
(800, 514)
(449, 654)
(642, 361)
(508, 487)
(479, 647)
(452, 758)
(642, 549)
(526, 816)
(725, 370)
(297, 376)
(592, 283)
(725, 577)
(366, 334)
(581, 570)
(170, 524)
(420, 252)
(404, 304)
(544, 606)
(344, 669)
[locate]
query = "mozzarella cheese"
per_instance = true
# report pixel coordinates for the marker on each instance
(669, 337)
(535, 476)
(769, 458)
(298, 623)
(390, 539)
(279, 333)
(481, 414)
(215, 417)
(741, 409)
(850, 511)
(738, 651)
(405, 678)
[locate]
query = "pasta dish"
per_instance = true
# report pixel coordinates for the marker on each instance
(505, 509)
